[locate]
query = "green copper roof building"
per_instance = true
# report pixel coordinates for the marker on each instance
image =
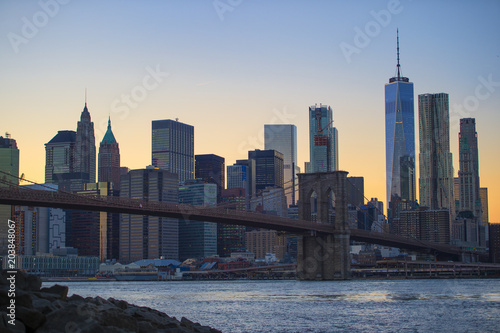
(108, 136)
(109, 159)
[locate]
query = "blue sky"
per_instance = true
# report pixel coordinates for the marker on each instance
(228, 67)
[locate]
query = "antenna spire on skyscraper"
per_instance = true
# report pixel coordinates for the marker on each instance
(398, 65)
(85, 96)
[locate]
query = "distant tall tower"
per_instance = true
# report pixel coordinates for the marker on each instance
(436, 168)
(323, 140)
(9, 165)
(468, 174)
(109, 159)
(400, 137)
(85, 149)
(469, 166)
(283, 138)
(173, 147)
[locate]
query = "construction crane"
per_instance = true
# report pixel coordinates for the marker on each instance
(319, 138)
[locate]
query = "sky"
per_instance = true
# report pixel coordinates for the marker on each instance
(228, 67)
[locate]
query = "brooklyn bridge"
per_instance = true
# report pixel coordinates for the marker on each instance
(323, 246)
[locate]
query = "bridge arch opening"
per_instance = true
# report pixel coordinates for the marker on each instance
(330, 194)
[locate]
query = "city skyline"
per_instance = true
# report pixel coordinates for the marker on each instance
(219, 76)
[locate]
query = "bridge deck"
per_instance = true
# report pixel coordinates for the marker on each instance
(58, 199)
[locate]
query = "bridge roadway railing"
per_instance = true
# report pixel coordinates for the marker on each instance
(60, 199)
(15, 195)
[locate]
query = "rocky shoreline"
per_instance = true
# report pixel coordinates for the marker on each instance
(37, 309)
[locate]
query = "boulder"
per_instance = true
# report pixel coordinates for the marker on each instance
(57, 289)
(44, 310)
(31, 318)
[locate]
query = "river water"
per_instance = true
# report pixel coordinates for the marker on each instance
(454, 305)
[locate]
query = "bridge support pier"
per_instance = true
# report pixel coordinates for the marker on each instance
(325, 257)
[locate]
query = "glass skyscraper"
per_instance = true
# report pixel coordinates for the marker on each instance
(283, 138)
(400, 138)
(173, 147)
(323, 140)
(268, 169)
(197, 239)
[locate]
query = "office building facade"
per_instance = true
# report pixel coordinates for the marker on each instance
(39, 229)
(9, 167)
(60, 161)
(211, 169)
(271, 200)
(425, 224)
(173, 148)
(268, 169)
(483, 195)
(494, 234)
(109, 159)
(436, 169)
(323, 140)
(468, 174)
(231, 238)
(283, 138)
(95, 233)
(261, 242)
(237, 176)
(149, 237)
(197, 239)
(355, 191)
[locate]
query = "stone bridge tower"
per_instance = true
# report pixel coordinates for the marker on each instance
(324, 256)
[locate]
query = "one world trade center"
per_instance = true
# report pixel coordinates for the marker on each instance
(399, 139)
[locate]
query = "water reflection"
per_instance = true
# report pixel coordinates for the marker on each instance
(291, 306)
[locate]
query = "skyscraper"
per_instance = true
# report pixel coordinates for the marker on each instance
(85, 149)
(60, 161)
(231, 238)
(109, 159)
(173, 147)
(95, 233)
(483, 194)
(240, 175)
(400, 137)
(468, 174)
(211, 168)
(283, 138)
(197, 239)
(323, 140)
(436, 168)
(149, 237)
(9, 165)
(268, 169)
(237, 176)
(355, 191)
